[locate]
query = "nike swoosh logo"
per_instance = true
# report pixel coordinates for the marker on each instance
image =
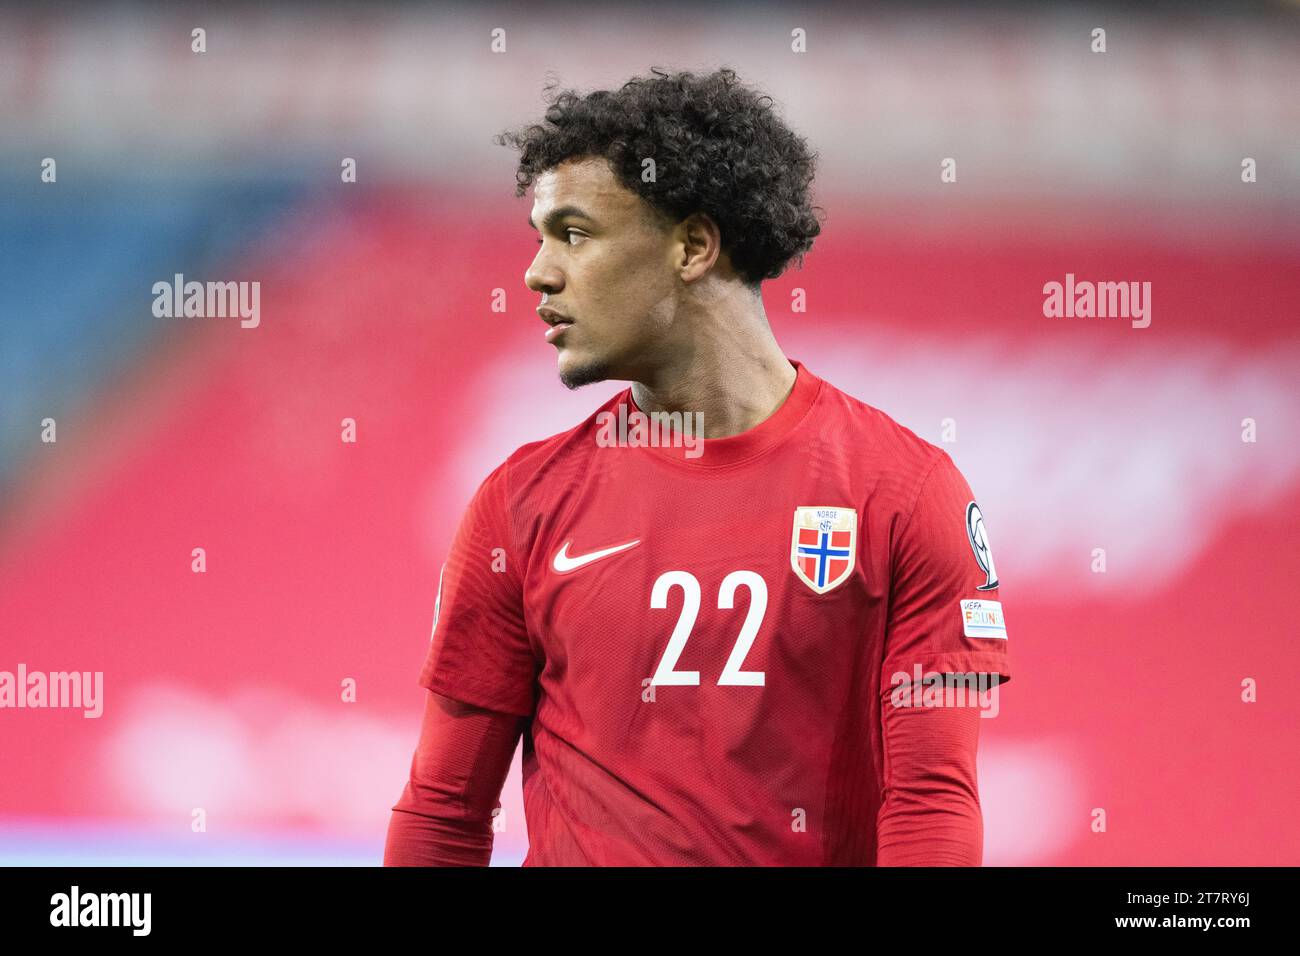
(563, 563)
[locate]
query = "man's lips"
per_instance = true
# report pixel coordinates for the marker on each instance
(551, 316)
(556, 330)
(556, 321)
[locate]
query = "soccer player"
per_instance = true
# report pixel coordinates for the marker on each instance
(714, 649)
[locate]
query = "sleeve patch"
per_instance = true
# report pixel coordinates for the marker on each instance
(983, 619)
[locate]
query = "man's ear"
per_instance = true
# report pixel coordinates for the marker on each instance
(700, 242)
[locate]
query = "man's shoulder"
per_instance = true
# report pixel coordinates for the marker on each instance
(900, 466)
(866, 430)
(557, 457)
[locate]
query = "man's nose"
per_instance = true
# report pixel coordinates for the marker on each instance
(542, 277)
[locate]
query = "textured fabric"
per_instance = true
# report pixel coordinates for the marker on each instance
(444, 816)
(930, 814)
(705, 692)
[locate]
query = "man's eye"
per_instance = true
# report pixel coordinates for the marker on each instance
(569, 235)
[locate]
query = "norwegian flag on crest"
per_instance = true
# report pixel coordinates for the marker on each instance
(823, 545)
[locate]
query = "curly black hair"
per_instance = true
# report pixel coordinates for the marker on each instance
(718, 147)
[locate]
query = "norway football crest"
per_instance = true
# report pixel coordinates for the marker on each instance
(823, 546)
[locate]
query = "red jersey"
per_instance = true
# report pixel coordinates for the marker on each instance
(707, 644)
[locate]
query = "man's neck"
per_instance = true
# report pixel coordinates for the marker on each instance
(734, 372)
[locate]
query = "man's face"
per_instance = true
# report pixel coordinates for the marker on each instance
(604, 263)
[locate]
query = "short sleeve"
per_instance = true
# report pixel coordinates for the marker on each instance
(944, 610)
(480, 652)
